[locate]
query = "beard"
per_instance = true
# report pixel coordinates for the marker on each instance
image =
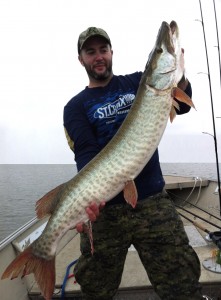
(99, 76)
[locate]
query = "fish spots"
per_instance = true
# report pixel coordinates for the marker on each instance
(56, 234)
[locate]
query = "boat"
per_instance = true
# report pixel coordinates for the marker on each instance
(197, 201)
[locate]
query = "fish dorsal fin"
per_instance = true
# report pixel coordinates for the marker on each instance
(130, 193)
(46, 205)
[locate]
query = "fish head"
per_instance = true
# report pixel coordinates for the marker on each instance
(165, 65)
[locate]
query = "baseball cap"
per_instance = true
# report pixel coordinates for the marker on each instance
(91, 31)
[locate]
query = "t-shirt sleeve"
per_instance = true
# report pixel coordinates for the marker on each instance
(79, 133)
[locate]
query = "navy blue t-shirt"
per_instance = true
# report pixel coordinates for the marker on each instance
(92, 118)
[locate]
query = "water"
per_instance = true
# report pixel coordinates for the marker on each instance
(203, 170)
(22, 185)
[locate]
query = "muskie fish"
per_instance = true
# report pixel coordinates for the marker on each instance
(116, 166)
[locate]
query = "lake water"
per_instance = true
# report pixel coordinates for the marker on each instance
(22, 185)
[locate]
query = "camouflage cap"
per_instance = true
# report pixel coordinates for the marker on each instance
(91, 31)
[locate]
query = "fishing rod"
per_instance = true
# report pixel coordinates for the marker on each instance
(197, 216)
(217, 37)
(214, 236)
(212, 109)
(197, 207)
(218, 47)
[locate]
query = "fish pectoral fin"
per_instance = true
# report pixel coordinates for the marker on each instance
(130, 193)
(46, 205)
(172, 114)
(181, 96)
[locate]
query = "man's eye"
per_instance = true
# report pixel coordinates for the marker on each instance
(90, 52)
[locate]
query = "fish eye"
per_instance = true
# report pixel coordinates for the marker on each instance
(159, 50)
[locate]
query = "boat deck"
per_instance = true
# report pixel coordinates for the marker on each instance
(135, 283)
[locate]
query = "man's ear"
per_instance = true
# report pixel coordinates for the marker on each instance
(80, 60)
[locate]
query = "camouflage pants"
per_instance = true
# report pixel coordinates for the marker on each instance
(156, 231)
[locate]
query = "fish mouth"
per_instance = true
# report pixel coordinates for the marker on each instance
(168, 72)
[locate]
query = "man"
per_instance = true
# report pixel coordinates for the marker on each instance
(91, 119)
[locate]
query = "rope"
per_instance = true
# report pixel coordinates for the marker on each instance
(67, 276)
(201, 181)
(195, 178)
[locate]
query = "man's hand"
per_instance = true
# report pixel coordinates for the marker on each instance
(182, 84)
(93, 211)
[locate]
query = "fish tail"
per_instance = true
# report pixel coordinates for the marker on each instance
(27, 262)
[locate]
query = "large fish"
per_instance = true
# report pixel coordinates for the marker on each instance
(116, 166)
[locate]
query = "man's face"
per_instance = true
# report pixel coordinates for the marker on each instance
(96, 57)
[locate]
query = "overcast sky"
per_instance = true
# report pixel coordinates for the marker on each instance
(40, 72)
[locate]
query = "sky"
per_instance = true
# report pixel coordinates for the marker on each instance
(40, 71)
